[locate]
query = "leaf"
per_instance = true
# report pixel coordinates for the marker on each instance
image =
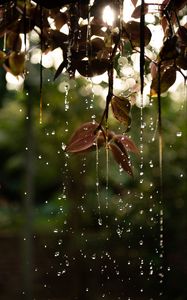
(121, 110)
(121, 158)
(60, 69)
(182, 33)
(92, 68)
(83, 138)
(167, 79)
(131, 31)
(137, 12)
(169, 49)
(134, 2)
(124, 142)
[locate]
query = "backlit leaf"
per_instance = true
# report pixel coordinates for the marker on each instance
(131, 31)
(124, 142)
(167, 79)
(137, 12)
(169, 49)
(121, 158)
(92, 68)
(121, 110)
(134, 2)
(83, 138)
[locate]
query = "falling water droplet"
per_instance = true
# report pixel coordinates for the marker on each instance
(100, 221)
(179, 134)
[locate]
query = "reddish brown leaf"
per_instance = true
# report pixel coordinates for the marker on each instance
(121, 109)
(131, 31)
(121, 158)
(134, 2)
(93, 67)
(83, 138)
(124, 141)
(137, 12)
(182, 32)
(167, 79)
(169, 49)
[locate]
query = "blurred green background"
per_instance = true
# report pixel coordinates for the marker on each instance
(52, 246)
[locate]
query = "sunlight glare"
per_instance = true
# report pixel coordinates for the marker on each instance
(108, 15)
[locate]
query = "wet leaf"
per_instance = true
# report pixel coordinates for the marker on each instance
(181, 60)
(121, 110)
(173, 5)
(121, 158)
(170, 49)
(92, 68)
(182, 33)
(13, 41)
(83, 138)
(134, 2)
(124, 142)
(137, 12)
(167, 79)
(16, 63)
(54, 3)
(60, 69)
(2, 57)
(131, 31)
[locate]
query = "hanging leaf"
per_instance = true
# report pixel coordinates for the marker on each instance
(54, 3)
(60, 69)
(170, 49)
(13, 41)
(83, 138)
(121, 158)
(92, 68)
(131, 31)
(173, 5)
(134, 2)
(137, 12)
(182, 33)
(121, 110)
(125, 143)
(181, 60)
(167, 79)
(16, 63)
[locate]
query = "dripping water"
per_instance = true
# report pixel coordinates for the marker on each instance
(100, 221)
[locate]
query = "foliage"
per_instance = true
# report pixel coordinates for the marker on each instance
(92, 44)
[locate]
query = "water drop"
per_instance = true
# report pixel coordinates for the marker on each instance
(100, 221)
(179, 134)
(63, 146)
(57, 254)
(141, 242)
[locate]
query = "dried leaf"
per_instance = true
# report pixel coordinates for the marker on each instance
(167, 79)
(121, 110)
(124, 142)
(121, 158)
(83, 138)
(137, 12)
